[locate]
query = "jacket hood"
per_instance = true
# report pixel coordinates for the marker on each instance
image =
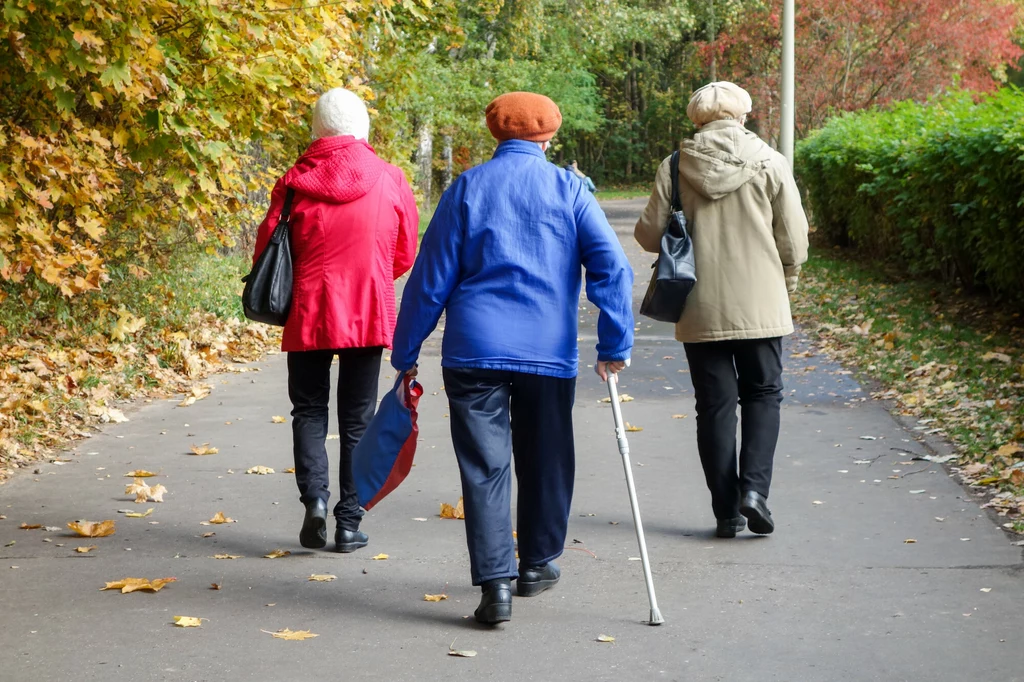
(722, 157)
(336, 170)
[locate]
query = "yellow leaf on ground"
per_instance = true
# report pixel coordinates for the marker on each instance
(144, 492)
(997, 357)
(605, 638)
(156, 493)
(209, 535)
(381, 557)
(289, 470)
(435, 597)
(139, 473)
(277, 554)
(227, 556)
(262, 470)
(188, 621)
(461, 653)
(1009, 450)
(294, 635)
(204, 449)
(139, 515)
(278, 420)
(127, 585)
(633, 429)
(85, 550)
(322, 578)
(93, 529)
(450, 512)
(220, 518)
(30, 526)
(910, 541)
(679, 416)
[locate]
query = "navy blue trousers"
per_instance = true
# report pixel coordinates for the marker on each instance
(496, 415)
(309, 387)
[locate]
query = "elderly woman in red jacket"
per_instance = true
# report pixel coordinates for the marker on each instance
(354, 227)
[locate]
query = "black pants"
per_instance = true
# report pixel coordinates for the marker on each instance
(309, 387)
(725, 373)
(495, 415)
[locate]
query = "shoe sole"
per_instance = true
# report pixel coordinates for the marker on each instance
(756, 522)
(725, 533)
(313, 534)
(350, 547)
(533, 589)
(494, 614)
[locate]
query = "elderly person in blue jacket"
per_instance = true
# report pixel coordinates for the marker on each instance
(503, 257)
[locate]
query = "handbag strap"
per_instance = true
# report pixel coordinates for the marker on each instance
(287, 208)
(674, 170)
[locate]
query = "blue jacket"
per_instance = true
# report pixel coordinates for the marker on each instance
(502, 255)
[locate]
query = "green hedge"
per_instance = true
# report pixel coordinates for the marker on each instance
(937, 187)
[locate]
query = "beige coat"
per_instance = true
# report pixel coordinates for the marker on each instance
(749, 233)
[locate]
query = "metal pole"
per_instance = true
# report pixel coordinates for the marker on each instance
(788, 132)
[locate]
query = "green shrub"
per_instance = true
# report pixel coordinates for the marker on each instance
(937, 187)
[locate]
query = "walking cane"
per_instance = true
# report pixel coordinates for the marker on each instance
(620, 435)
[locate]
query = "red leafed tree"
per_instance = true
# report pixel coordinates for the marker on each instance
(852, 54)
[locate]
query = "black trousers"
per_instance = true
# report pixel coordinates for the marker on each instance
(495, 415)
(724, 374)
(309, 387)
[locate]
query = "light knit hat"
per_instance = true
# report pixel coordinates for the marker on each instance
(718, 101)
(340, 112)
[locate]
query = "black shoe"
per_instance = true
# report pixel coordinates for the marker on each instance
(496, 602)
(727, 528)
(755, 508)
(349, 540)
(314, 527)
(533, 581)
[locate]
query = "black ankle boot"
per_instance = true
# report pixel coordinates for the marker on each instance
(346, 541)
(533, 581)
(755, 508)
(314, 526)
(727, 528)
(496, 602)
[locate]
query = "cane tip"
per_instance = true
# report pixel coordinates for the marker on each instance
(656, 618)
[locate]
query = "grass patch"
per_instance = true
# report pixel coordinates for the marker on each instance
(626, 192)
(952, 360)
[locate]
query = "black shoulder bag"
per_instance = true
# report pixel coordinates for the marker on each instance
(267, 296)
(675, 270)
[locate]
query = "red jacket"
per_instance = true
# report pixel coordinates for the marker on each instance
(353, 231)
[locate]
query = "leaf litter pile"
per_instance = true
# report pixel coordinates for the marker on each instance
(952, 362)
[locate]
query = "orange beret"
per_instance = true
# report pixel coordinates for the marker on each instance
(523, 116)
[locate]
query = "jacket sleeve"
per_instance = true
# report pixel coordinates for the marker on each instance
(609, 279)
(266, 228)
(789, 225)
(408, 226)
(651, 226)
(433, 278)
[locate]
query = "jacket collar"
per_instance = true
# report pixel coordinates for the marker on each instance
(518, 147)
(334, 143)
(720, 125)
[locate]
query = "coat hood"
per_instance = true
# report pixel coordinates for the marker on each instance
(336, 170)
(722, 157)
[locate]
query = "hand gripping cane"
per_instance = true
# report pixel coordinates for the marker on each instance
(620, 435)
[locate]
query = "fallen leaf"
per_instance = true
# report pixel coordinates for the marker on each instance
(817, 502)
(452, 651)
(418, 518)
(262, 470)
(277, 554)
(986, 589)
(214, 586)
(917, 492)
(997, 357)
(30, 526)
(289, 470)
(679, 416)
(380, 557)
(220, 518)
(227, 556)
(188, 621)
(293, 635)
(139, 515)
(85, 550)
(278, 420)
(909, 541)
(450, 512)
(605, 638)
(204, 449)
(139, 473)
(92, 529)
(11, 543)
(1009, 450)
(322, 578)
(623, 398)
(127, 585)
(209, 535)
(435, 597)
(633, 429)
(143, 492)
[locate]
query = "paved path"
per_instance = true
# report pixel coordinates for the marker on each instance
(835, 594)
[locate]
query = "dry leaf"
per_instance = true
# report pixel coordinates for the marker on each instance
(139, 515)
(277, 554)
(380, 557)
(289, 470)
(623, 398)
(679, 416)
(220, 518)
(214, 586)
(227, 556)
(93, 529)
(1009, 450)
(279, 420)
(633, 429)
(262, 470)
(997, 357)
(127, 585)
(435, 597)
(450, 512)
(322, 578)
(139, 473)
(605, 638)
(986, 589)
(468, 653)
(294, 635)
(209, 535)
(85, 550)
(204, 449)
(143, 492)
(188, 621)
(30, 526)
(910, 541)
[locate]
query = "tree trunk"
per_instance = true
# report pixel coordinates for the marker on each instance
(446, 158)
(424, 162)
(712, 35)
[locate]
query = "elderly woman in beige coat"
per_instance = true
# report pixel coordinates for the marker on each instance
(749, 238)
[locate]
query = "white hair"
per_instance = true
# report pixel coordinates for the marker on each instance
(340, 112)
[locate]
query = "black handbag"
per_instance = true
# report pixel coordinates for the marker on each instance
(675, 270)
(267, 296)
